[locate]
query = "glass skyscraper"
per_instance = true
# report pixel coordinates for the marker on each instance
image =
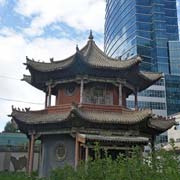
(141, 27)
(147, 28)
(172, 93)
(174, 57)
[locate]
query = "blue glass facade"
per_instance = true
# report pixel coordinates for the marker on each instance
(172, 93)
(174, 57)
(144, 27)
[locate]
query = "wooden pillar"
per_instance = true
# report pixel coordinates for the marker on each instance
(31, 155)
(46, 96)
(120, 94)
(29, 147)
(76, 152)
(80, 152)
(49, 95)
(81, 91)
(86, 153)
(135, 101)
(152, 143)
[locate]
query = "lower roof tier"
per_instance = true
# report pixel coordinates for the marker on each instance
(87, 118)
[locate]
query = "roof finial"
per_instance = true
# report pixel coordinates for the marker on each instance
(52, 60)
(77, 48)
(90, 35)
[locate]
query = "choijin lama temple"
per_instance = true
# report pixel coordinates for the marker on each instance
(91, 90)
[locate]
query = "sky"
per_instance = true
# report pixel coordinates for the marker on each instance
(41, 29)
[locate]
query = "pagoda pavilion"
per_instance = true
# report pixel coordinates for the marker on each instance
(91, 90)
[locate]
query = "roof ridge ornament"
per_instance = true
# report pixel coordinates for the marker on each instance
(77, 48)
(51, 60)
(91, 37)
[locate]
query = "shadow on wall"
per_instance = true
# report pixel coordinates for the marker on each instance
(16, 161)
(19, 163)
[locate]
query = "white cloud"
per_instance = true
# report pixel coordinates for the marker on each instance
(79, 14)
(2, 2)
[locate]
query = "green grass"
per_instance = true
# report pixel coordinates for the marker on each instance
(15, 176)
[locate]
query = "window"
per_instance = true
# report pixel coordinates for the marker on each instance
(70, 90)
(98, 94)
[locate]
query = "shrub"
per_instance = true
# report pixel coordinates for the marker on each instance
(159, 166)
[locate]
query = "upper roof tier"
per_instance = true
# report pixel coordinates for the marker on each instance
(91, 55)
(92, 62)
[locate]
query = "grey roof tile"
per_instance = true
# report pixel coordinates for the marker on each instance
(91, 54)
(115, 138)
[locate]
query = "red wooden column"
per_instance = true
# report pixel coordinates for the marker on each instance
(31, 154)
(29, 147)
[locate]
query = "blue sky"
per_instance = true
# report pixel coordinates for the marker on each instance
(41, 29)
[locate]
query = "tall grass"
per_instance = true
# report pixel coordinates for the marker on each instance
(158, 166)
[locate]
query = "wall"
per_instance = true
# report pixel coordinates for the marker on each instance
(49, 160)
(63, 98)
(174, 132)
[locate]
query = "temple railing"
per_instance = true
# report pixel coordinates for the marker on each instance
(94, 107)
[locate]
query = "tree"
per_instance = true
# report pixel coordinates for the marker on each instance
(10, 127)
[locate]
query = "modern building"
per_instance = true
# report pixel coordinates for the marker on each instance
(174, 57)
(90, 107)
(172, 93)
(141, 28)
(149, 29)
(173, 79)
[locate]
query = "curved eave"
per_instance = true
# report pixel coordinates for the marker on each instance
(38, 117)
(91, 55)
(147, 79)
(160, 124)
(49, 67)
(27, 79)
(151, 76)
